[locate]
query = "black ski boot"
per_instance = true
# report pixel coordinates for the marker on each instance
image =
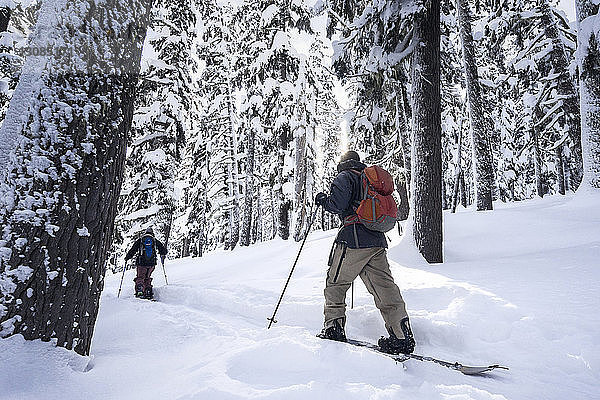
(335, 331)
(149, 294)
(393, 345)
(139, 291)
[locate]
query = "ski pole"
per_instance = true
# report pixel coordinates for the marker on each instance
(122, 276)
(272, 319)
(164, 270)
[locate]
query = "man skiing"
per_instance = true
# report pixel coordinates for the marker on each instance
(358, 251)
(146, 248)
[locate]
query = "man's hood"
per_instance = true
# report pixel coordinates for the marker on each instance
(350, 164)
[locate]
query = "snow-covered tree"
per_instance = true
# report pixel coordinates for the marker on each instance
(370, 59)
(165, 110)
(16, 21)
(483, 172)
(214, 148)
(588, 18)
(66, 128)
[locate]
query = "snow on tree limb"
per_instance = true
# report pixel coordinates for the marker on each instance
(64, 142)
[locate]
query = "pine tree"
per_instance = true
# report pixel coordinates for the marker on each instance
(559, 59)
(60, 185)
(370, 57)
(588, 36)
(164, 112)
(482, 154)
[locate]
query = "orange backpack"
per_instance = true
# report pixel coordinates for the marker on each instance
(377, 210)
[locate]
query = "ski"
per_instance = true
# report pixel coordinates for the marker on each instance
(465, 369)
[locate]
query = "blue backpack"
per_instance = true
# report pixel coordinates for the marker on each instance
(147, 253)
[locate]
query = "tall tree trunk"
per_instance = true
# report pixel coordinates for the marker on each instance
(560, 169)
(427, 134)
(202, 231)
(405, 136)
(566, 172)
(249, 190)
(444, 198)
(185, 247)
(234, 188)
(258, 220)
(284, 204)
(457, 173)
(274, 215)
(567, 91)
(483, 167)
(168, 225)
(234, 223)
(70, 114)
(300, 184)
(589, 70)
(464, 200)
(537, 162)
(402, 184)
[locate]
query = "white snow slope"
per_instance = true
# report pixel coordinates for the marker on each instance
(519, 287)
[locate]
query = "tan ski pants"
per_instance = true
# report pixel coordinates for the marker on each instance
(371, 264)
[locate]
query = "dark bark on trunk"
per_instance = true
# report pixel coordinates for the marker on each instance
(537, 163)
(402, 180)
(483, 169)
(185, 248)
(458, 191)
(285, 205)
(427, 135)
(567, 174)
(167, 227)
(560, 169)
(61, 248)
(234, 213)
(403, 207)
(300, 186)
(284, 219)
(463, 191)
(444, 199)
(5, 13)
(202, 222)
(405, 138)
(249, 192)
(274, 215)
(458, 175)
(257, 235)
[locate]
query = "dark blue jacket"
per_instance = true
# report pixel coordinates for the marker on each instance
(343, 199)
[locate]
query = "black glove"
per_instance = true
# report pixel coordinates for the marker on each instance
(321, 199)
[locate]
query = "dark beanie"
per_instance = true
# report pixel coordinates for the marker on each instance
(350, 155)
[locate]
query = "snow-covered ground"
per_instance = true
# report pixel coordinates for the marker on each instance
(519, 287)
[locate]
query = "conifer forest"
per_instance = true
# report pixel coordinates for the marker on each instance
(217, 122)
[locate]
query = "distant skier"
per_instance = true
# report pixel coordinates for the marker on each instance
(358, 251)
(146, 248)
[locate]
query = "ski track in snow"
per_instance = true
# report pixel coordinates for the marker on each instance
(519, 288)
